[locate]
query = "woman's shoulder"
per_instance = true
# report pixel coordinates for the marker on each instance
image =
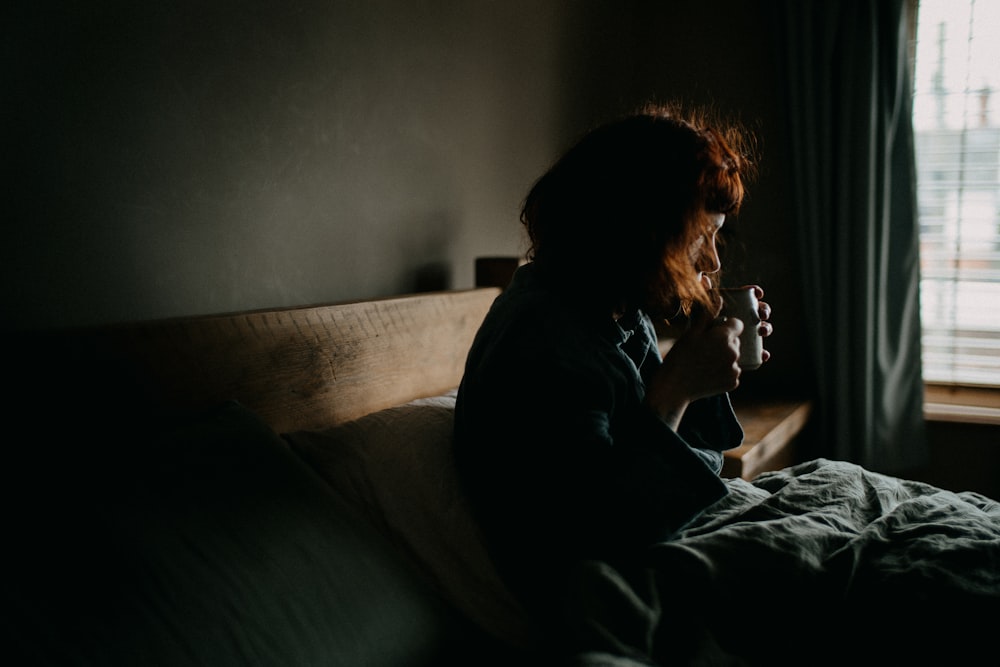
(530, 331)
(531, 312)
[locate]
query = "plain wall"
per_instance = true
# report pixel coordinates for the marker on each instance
(189, 157)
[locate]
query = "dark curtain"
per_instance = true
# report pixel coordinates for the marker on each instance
(845, 75)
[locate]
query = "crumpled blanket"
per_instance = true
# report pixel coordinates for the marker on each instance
(818, 564)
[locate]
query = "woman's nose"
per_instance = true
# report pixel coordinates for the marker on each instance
(710, 262)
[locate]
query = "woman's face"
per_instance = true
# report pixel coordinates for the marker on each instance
(704, 253)
(704, 257)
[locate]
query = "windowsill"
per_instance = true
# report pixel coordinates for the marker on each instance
(770, 428)
(966, 414)
(970, 405)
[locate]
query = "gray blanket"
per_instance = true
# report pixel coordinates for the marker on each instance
(821, 563)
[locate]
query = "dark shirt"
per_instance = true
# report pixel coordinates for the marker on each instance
(560, 458)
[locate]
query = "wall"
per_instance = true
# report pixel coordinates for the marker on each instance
(963, 457)
(188, 157)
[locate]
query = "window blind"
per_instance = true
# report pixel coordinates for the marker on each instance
(957, 135)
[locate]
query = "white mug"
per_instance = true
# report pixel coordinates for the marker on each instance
(741, 303)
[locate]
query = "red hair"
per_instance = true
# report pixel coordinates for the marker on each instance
(614, 220)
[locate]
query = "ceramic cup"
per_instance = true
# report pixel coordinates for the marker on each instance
(741, 303)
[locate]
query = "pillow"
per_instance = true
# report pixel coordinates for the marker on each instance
(396, 468)
(208, 542)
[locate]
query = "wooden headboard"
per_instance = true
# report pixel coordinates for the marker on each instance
(298, 368)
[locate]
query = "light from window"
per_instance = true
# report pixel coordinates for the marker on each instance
(957, 128)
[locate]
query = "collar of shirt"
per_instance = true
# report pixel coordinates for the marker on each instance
(637, 339)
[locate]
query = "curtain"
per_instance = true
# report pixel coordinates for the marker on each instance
(844, 75)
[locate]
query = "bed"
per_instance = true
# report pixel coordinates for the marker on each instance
(276, 487)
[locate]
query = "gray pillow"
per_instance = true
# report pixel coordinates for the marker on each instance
(210, 543)
(396, 467)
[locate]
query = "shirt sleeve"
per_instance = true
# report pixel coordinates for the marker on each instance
(710, 426)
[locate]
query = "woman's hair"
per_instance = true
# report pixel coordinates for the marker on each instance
(617, 216)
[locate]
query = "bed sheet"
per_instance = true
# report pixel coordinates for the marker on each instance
(820, 563)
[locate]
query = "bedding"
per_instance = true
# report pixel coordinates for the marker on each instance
(395, 468)
(206, 542)
(819, 563)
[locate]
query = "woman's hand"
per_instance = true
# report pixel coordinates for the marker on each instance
(702, 362)
(765, 328)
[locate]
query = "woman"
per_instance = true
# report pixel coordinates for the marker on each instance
(575, 441)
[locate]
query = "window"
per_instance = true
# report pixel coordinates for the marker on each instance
(957, 132)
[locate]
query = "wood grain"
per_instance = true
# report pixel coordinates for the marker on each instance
(769, 431)
(297, 368)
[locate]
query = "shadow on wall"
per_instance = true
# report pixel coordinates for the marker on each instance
(433, 277)
(964, 457)
(421, 250)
